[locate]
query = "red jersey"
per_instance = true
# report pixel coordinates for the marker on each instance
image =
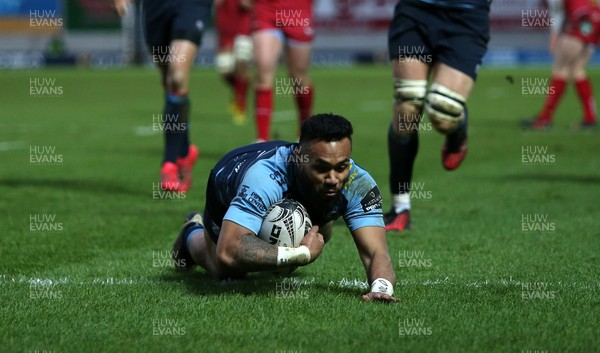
(294, 18)
(231, 20)
(583, 20)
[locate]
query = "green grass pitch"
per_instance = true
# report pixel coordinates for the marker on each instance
(503, 257)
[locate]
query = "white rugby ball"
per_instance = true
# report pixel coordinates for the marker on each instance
(285, 224)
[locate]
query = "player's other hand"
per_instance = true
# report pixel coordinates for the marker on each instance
(246, 4)
(313, 240)
(381, 297)
(120, 6)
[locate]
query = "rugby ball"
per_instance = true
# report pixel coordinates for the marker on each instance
(285, 224)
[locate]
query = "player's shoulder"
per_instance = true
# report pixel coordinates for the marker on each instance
(358, 177)
(363, 199)
(271, 164)
(360, 184)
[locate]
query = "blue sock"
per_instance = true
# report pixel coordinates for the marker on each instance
(175, 117)
(190, 231)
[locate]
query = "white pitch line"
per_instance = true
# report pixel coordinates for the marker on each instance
(144, 130)
(341, 283)
(11, 145)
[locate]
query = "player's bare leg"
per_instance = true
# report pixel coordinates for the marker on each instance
(567, 52)
(447, 110)
(240, 91)
(193, 246)
(179, 156)
(233, 64)
(203, 251)
(267, 49)
(584, 87)
(298, 62)
(410, 88)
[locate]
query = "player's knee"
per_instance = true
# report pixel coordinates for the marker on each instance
(225, 63)
(579, 74)
(243, 48)
(177, 80)
(445, 108)
(409, 96)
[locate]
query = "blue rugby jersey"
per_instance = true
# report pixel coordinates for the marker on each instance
(249, 179)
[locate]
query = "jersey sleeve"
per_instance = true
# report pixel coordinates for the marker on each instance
(364, 201)
(260, 187)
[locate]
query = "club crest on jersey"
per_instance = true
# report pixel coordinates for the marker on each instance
(372, 200)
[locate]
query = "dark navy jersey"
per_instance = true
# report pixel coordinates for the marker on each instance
(457, 4)
(249, 179)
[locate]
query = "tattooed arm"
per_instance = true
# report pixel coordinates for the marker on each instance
(239, 250)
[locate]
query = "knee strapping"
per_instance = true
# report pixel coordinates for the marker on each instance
(445, 108)
(243, 48)
(225, 63)
(410, 91)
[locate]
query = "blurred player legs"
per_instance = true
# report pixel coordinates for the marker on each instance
(576, 30)
(428, 40)
(272, 34)
(232, 19)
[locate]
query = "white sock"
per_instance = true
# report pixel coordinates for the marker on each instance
(401, 202)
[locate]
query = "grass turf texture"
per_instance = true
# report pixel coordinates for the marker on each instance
(480, 283)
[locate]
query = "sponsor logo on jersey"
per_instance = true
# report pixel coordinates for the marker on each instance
(372, 200)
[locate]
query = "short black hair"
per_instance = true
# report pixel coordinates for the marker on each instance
(325, 127)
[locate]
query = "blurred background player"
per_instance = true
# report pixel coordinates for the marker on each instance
(174, 31)
(280, 24)
(446, 39)
(234, 52)
(575, 31)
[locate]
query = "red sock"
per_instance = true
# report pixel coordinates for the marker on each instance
(264, 107)
(304, 102)
(584, 90)
(557, 88)
(241, 88)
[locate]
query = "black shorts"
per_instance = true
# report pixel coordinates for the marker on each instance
(453, 36)
(214, 209)
(225, 178)
(166, 20)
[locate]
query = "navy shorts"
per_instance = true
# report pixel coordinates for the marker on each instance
(166, 20)
(214, 208)
(456, 37)
(221, 188)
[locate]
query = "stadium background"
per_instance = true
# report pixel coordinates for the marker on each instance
(349, 31)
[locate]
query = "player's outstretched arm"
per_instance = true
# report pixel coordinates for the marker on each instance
(372, 248)
(239, 250)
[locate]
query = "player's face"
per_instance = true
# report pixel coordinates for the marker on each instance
(326, 168)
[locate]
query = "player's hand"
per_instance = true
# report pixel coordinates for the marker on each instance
(313, 240)
(120, 6)
(246, 4)
(381, 297)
